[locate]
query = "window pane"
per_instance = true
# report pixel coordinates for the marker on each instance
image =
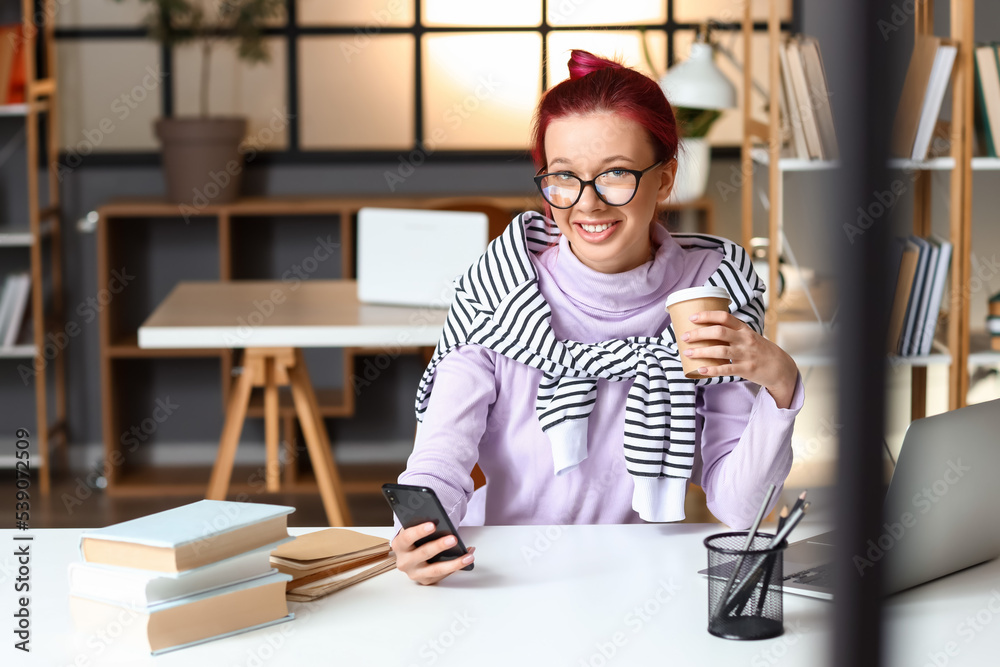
(439, 13)
(356, 98)
(622, 46)
(109, 94)
(474, 99)
(258, 92)
(727, 11)
(605, 12)
(365, 13)
(88, 13)
(728, 130)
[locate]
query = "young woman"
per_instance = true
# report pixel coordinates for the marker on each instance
(558, 348)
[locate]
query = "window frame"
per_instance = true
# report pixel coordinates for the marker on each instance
(294, 154)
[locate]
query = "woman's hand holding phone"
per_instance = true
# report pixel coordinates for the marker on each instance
(413, 559)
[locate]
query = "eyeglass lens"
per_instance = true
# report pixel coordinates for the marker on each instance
(616, 187)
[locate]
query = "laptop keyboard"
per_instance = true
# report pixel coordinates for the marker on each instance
(821, 576)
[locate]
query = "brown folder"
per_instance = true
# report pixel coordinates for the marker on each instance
(911, 102)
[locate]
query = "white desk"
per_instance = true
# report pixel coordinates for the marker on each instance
(538, 596)
(313, 313)
(273, 320)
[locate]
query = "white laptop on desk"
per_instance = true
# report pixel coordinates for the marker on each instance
(941, 512)
(410, 257)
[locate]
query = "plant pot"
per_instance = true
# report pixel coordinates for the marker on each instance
(202, 163)
(694, 158)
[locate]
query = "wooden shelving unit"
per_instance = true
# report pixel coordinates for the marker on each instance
(42, 228)
(118, 342)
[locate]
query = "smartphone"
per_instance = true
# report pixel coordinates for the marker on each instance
(414, 505)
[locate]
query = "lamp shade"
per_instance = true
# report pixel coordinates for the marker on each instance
(697, 83)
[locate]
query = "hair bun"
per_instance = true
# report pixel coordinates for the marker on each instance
(582, 63)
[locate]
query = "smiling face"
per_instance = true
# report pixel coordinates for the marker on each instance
(609, 239)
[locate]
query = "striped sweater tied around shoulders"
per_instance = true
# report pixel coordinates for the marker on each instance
(498, 305)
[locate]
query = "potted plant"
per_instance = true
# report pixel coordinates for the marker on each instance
(202, 162)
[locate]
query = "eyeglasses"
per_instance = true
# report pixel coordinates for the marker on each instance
(614, 187)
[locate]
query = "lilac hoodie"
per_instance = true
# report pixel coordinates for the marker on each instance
(482, 409)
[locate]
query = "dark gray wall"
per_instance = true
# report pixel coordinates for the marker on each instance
(171, 252)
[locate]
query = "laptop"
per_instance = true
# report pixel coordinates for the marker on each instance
(941, 511)
(410, 257)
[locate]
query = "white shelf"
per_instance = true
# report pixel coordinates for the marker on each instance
(17, 352)
(936, 164)
(13, 109)
(761, 156)
(981, 354)
(8, 462)
(23, 237)
(985, 164)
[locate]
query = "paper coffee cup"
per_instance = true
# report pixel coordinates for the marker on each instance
(684, 303)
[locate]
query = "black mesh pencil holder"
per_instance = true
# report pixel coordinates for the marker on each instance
(749, 605)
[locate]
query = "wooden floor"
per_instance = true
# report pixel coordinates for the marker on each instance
(74, 504)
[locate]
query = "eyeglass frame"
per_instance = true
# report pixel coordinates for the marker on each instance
(593, 183)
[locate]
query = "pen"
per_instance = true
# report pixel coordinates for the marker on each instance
(754, 575)
(746, 546)
(773, 558)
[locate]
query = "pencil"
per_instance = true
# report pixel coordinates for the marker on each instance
(746, 546)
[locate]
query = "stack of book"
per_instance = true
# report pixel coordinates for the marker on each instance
(13, 307)
(921, 267)
(328, 560)
(993, 322)
(183, 576)
(923, 93)
(12, 64)
(805, 101)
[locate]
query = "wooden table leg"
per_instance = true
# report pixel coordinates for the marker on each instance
(318, 443)
(271, 435)
(236, 412)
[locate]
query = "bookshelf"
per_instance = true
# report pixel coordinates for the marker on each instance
(769, 154)
(39, 233)
(960, 164)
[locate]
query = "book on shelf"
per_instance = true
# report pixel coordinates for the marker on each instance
(329, 560)
(13, 307)
(187, 537)
(12, 64)
(140, 589)
(924, 87)
(919, 295)
(987, 97)
(804, 97)
(798, 145)
(183, 622)
(916, 304)
(804, 101)
(901, 296)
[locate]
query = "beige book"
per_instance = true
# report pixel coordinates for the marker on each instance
(904, 285)
(213, 615)
(799, 148)
(806, 103)
(820, 94)
(918, 76)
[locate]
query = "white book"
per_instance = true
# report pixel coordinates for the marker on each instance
(19, 306)
(6, 300)
(145, 589)
(937, 293)
(187, 537)
(944, 60)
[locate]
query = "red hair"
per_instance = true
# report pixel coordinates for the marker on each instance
(597, 85)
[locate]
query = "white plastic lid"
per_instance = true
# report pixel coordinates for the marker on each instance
(697, 293)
